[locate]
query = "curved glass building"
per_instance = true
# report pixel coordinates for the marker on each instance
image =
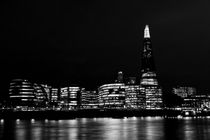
(22, 93)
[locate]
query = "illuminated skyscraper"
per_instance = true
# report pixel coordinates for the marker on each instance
(149, 84)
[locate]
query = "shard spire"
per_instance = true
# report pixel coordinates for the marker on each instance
(146, 32)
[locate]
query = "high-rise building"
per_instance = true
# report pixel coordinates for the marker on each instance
(131, 81)
(149, 83)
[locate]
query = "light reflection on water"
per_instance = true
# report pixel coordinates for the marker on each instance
(134, 128)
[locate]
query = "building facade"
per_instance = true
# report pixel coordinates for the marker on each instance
(21, 94)
(26, 95)
(112, 96)
(69, 98)
(89, 99)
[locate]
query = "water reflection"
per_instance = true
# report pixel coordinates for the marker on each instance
(144, 128)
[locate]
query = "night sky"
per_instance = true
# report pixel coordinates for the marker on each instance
(86, 42)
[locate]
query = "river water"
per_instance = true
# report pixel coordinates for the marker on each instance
(142, 128)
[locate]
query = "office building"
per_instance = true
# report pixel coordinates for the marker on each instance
(112, 96)
(89, 99)
(69, 98)
(132, 93)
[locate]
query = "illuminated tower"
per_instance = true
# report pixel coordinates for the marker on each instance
(119, 77)
(149, 84)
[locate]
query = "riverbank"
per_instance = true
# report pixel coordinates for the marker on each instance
(89, 113)
(92, 113)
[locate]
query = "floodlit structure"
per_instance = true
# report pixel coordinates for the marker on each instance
(149, 83)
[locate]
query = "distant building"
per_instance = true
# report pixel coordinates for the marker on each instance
(47, 90)
(41, 95)
(133, 97)
(184, 91)
(64, 98)
(69, 97)
(54, 98)
(153, 96)
(26, 95)
(149, 83)
(196, 103)
(83, 98)
(131, 81)
(112, 96)
(74, 96)
(89, 99)
(119, 77)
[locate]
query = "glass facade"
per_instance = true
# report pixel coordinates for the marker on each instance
(112, 95)
(153, 97)
(133, 98)
(69, 98)
(89, 99)
(22, 93)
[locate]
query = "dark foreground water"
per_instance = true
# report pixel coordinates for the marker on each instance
(145, 128)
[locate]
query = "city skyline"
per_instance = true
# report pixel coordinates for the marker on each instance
(98, 69)
(87, 43)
